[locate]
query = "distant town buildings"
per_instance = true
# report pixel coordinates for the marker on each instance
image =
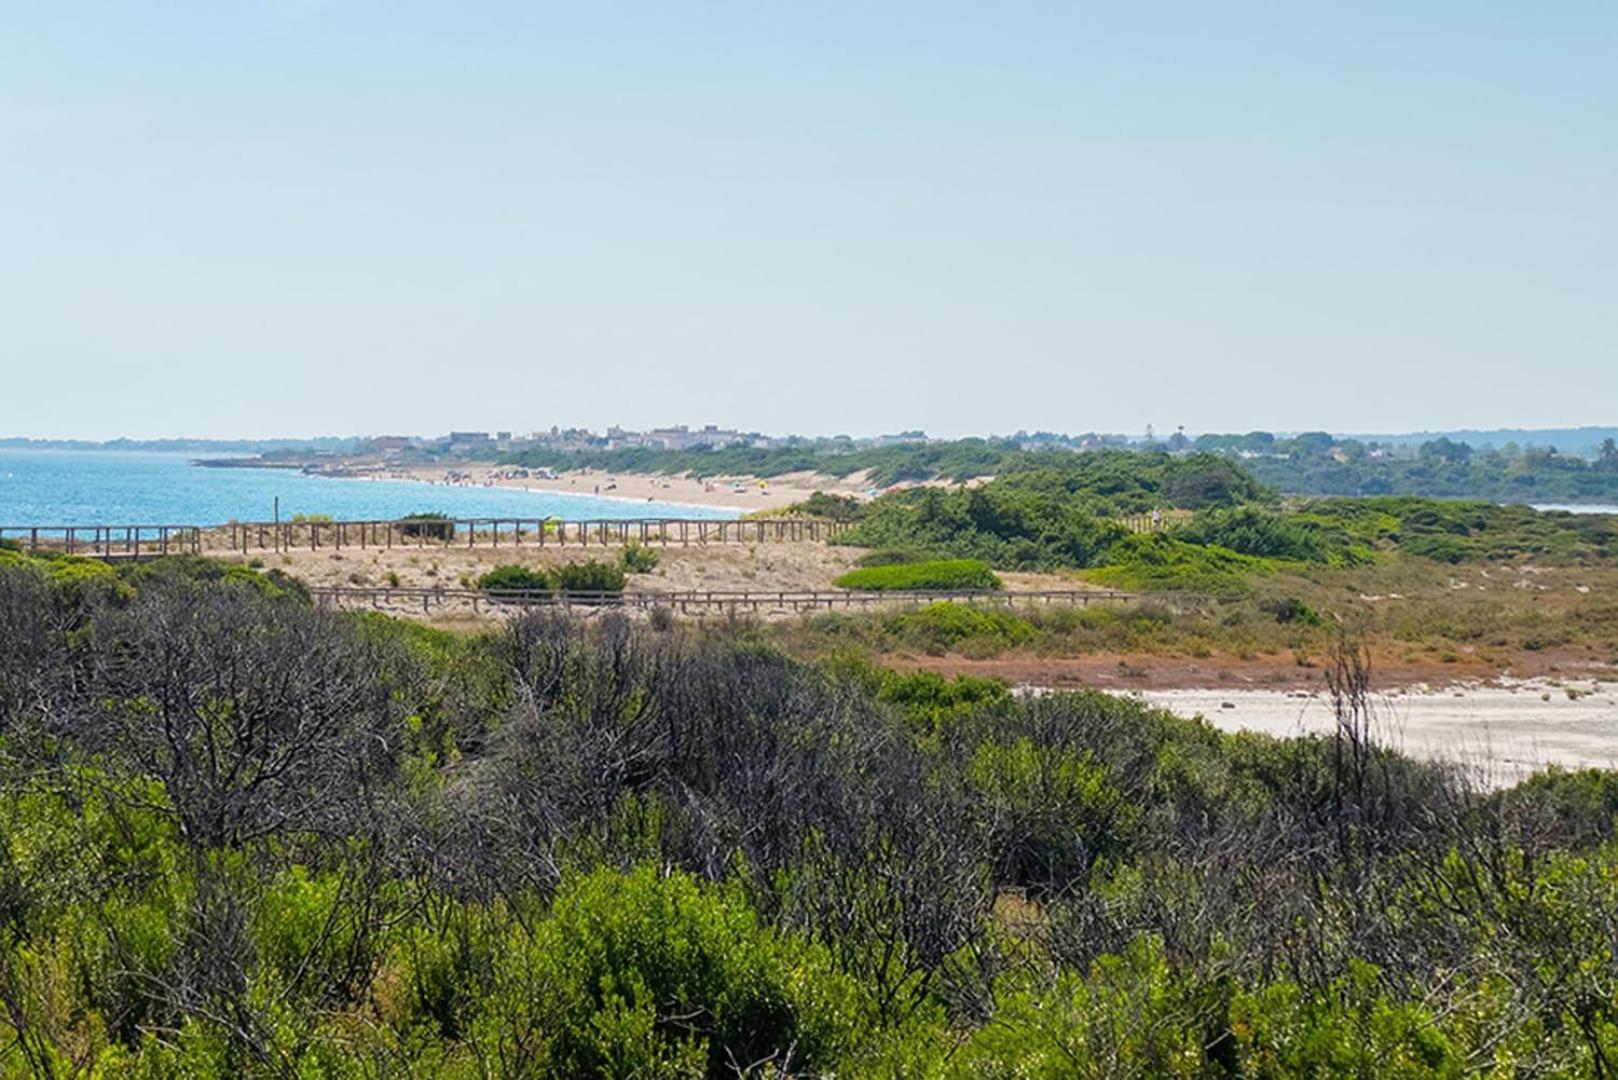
(471, 440)
(684, 437)
(389, 444)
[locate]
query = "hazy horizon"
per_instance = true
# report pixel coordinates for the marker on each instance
(315, 216)
(1190, 433)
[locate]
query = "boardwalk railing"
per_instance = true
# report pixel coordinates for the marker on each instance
(135, 541)
(520, 532)
(108, 541)
(111, 541)
(701, 601)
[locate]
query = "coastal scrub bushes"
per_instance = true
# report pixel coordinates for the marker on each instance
(1158, 562)
(1454, 531)
(944, 625)
(245, 836)
(638, 559)
(822, 505)
(1267, 533)
(591, 576)
(1047, 519)
(938, 574)
(1005, 527)
(515, 577)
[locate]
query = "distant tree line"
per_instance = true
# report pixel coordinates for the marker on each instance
(1318, 464)
(1309, 464)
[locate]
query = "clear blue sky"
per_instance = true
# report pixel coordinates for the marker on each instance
(332, 216)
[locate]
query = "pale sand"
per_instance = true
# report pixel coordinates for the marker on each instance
(744, 493)
(1502, 731)
(728, 567)
(770, 566)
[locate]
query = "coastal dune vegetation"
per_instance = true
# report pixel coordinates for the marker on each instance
(244, 836)
(1226, 529)
(1312, 463)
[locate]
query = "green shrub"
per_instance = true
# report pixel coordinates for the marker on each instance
(512, 576)
(1252, 530)
(955, 574)
(1158, 561)
(641, 974)
(939, 627)
(1289, 609)
(591, 577)
(636, 559)
(930, 700)
(830, 507)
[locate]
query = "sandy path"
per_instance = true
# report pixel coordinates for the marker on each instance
(1504, 731)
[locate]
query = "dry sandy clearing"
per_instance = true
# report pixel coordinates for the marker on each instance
(1503, 731)
(732, 492)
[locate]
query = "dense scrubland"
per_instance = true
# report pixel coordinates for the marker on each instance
(1069, 518)
(240, 836)
(1235, 572)
(1318, 464)
(1309, 464)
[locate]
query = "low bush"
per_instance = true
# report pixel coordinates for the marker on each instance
(646, 974)
(939, 627)
(590, 577)
(636, 559)
(830, 507)
(1289, 609)
(954, 574)
(512, 576)
(1159, 561)
(932, 702)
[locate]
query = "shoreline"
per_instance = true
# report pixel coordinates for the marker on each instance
(628, 500)
(679, 489)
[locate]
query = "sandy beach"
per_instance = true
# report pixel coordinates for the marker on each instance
(1503, 731)
(744, 493)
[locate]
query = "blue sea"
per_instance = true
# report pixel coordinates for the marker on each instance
(117, 487)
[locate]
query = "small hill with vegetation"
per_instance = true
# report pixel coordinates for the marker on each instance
(1072, 517)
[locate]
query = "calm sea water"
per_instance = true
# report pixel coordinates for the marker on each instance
(70, 487)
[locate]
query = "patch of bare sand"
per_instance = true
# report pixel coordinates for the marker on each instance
(741, 492)
(1502, 732)
(1559, 709)
(789, 566)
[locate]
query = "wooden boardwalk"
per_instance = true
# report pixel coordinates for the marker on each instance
(524, 532)
(136, 541)
(698, 602)
(140, 541)
(108, 541)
